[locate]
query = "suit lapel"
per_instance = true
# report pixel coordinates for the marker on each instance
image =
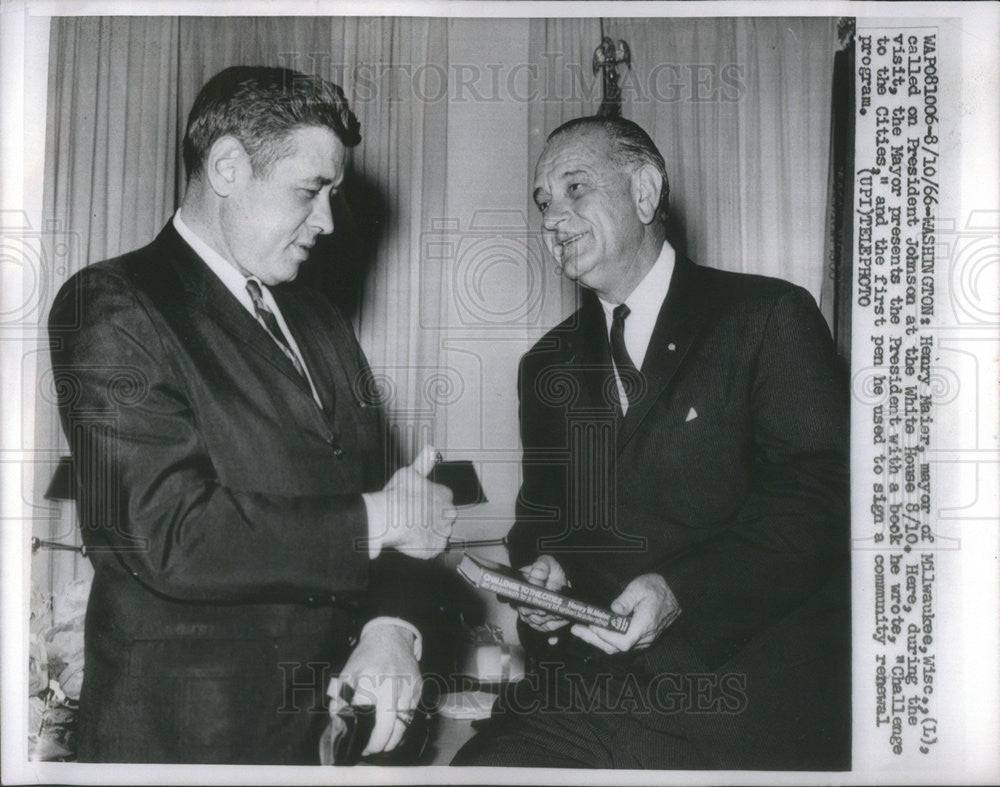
(206, 292)
(683, 316)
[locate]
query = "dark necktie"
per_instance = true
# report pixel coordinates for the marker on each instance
(627, 372)
(270, 323)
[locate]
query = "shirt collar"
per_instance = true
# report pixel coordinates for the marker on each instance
(648, 295)
(227, 273)
(644, 304)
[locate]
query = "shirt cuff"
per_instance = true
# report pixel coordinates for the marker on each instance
(418, 642)
(376, 514)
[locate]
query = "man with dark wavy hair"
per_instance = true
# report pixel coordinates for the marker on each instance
(685, 463)
(249, 538)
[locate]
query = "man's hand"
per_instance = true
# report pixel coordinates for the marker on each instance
(547, 573)
(653, 607)
(383, 672)
(411, 514)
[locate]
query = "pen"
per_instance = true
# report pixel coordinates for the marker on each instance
(461, 543)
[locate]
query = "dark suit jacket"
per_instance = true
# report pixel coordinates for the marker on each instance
(728, 476)
(221, 508)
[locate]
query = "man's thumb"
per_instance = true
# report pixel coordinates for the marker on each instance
(625, 603)
(425, 460)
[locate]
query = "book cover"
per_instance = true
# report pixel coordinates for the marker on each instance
(508, 583)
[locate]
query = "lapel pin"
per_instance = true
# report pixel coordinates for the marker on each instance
(671, 346)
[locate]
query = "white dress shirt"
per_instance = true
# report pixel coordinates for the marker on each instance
(644, 303)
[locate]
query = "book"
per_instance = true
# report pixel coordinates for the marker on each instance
(461, 478)
(508, 583)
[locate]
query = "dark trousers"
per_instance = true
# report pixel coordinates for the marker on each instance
(597, 713)
(586, 714)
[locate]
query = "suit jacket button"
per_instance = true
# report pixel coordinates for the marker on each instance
(333, 598)
(338, 451)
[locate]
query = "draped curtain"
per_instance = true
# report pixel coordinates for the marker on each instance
(838, 279)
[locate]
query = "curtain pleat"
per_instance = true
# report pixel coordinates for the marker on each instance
(402, 166)
(835, 298)
(564, 85)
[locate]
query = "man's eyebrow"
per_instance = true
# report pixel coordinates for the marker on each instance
(567, 175)
(316, 180)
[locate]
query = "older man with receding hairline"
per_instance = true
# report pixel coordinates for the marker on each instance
(689, 469)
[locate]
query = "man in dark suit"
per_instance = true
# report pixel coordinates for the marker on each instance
(685, 462)
(247, 532)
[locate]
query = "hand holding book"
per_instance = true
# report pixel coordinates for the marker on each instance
(547, 573)
(537, 590)
(651, 606)
(636, 619)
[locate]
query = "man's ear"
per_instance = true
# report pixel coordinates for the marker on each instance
(646, 185)
(226, 164)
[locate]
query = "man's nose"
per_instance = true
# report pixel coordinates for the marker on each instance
(555, 214)
(322, 215)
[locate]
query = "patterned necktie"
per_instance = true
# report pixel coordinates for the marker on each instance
(270, 323)
(627, 372)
